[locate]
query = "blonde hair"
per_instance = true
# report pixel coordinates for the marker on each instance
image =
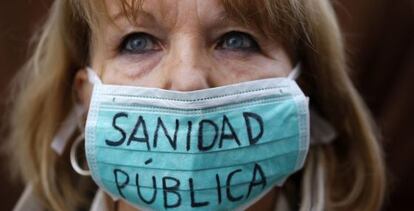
(350, 170)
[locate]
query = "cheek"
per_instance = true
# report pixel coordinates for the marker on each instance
(130, 69)
(247, 68)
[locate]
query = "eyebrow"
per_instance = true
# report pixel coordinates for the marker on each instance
(223, 19)
(134, 14)
(139, 16)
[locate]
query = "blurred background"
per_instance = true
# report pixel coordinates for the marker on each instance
(380, 42)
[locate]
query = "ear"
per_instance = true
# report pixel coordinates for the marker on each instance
(82, 88)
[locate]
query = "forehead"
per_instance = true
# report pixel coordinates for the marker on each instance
(169, 12)
(276, 19)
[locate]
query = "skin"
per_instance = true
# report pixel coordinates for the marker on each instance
(190, 47)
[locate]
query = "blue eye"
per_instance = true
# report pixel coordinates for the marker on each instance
(238, 41)
(138, 43)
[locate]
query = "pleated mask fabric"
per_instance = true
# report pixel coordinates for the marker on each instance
(213, 149)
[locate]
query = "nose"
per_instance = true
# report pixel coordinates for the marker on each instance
(187, 66)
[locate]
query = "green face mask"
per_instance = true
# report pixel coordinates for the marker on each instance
(213, 149)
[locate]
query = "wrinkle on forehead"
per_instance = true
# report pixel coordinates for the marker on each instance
(168, 12)
(278, 19)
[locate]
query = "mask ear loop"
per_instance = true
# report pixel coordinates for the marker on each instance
(295, 72)
(68, 126)
(93, 77)
(94, 80)
(73, 158)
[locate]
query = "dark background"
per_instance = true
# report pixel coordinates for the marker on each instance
(380, 43)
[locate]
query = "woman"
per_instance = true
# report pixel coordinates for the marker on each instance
(173, 52)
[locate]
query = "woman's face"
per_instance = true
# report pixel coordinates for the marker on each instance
(184, 45)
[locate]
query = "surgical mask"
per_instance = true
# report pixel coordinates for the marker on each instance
(213, 149)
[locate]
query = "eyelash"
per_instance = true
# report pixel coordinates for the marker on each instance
(254, 46)
(123, 47)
